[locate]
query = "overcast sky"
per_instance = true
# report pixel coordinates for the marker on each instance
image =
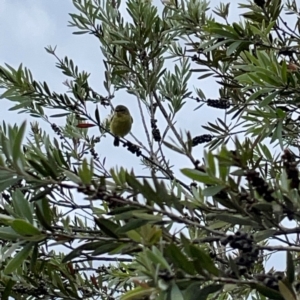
(27, 26)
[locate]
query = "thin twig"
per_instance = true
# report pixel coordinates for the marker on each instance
(145, 125)
(172, 127)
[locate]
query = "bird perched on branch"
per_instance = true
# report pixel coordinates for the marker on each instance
(121, 123)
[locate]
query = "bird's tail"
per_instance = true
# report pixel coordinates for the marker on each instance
(116, 142)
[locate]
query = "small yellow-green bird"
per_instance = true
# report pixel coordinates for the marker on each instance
(121, 122)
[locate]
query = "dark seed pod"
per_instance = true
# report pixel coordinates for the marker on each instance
(246, 247)
(241, 236)
(241, 261)
(297, 287)
(224, 241)
(218, 103)
(156, 135)
(205, 138)
(212, 254)
(279, 275)
(260, 3)
(230, 238)
(242, 270)
(274, 285)
(268, 281)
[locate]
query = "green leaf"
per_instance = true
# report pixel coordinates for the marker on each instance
(22, 206)
(232, 47)
(24, 228)
(38, 167)
(277, 135)
(204, 260)
(41, 195)
(43, 213)
(77, 252)
(210, 160)
(85, 172)
(4, 184)
(97, 115)
(233, 219)
(212, 190)
(18, 259)
(137, 293)
(34, 256)
(286, 292)
(131, 225)
(186, 244)
(193, 292)
(8, 234)
(233, 266)
(107, 226)
(7, 93)
(198, 176)
(17, 146)
(290, 268)
(81, 32)
(50, 168)
(268, 99)
(266, 152)
(205, 75)
(175, 293)
(284, 71)
(225, 201)
(123, 209)
(156, 256)
(60, 115)
(179, 259)
(146, 216)
(5, 295)
(263, 235)
(268, 292)
(107, 248)
(172, 147)
(72, 176)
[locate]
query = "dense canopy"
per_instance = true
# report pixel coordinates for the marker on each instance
(73, 228)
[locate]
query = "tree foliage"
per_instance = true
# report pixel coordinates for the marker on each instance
(201, 232)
